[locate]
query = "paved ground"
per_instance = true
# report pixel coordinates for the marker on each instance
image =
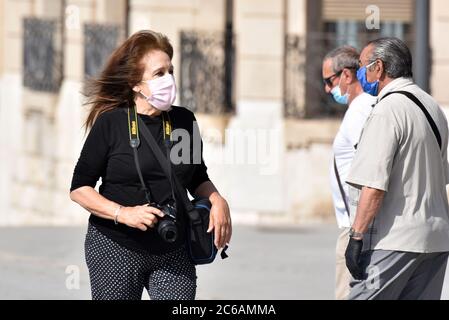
(296, 263)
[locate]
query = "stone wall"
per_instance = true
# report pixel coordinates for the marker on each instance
(439, 26)
(271, 169)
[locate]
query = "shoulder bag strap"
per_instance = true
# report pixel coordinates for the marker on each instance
(423, 109)
(340, 186)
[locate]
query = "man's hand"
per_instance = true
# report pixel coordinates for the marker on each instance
(369, 204)
(352, 256)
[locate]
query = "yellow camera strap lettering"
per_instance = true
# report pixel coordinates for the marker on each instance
(133, 128)
(167, 128)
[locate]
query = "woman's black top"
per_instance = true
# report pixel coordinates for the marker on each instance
(107, 154)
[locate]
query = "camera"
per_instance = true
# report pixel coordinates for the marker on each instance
(166, 226)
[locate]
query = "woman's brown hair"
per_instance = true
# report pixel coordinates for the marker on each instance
(123, 70)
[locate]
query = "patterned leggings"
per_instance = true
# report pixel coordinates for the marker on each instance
(117, 273)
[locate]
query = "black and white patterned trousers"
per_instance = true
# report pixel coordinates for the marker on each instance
(117, 273)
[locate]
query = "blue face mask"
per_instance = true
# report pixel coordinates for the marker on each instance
(338, 97)
(368, 87)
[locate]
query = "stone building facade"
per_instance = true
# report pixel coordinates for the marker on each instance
(250, 69)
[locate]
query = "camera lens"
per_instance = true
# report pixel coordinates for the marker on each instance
(167, 230)
(170, 236)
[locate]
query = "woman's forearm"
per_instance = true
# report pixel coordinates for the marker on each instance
(220, 217)
(95, 203)
(207, 190)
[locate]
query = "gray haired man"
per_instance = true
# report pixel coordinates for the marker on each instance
(399, 240)
(340, 80)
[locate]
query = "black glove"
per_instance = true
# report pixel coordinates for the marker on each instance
(352, 255)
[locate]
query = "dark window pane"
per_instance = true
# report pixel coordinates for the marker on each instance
(203, 65)
(99, 42)
(42, 56)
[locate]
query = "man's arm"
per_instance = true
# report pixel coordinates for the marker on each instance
(369, 204)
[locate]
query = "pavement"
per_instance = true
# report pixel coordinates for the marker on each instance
(265, 263)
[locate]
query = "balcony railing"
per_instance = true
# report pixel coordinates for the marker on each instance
(42, 54)
(206, 61)
(99, 42)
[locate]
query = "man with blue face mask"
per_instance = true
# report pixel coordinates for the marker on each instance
(339, 76)
(399, 239)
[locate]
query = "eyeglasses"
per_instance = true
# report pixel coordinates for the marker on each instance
(328, 81)
(368, 65)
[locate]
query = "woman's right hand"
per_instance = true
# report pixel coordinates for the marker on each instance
(140, 217)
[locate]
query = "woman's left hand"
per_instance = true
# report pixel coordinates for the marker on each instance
(220, 221)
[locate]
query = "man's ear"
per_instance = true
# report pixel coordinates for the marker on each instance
(349, 77)
(380, 68)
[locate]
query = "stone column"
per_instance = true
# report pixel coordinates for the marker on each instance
(439, 24)
(4, 194)
(439, 69)
(254, 147)
(70, 112)
(11, 111)
(295, 59)
(2, 34)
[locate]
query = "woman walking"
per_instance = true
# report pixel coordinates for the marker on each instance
(124, 252)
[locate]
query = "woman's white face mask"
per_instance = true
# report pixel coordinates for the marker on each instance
(163, 92)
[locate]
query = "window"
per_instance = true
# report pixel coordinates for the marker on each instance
(42, 54)
(99, 42)
(207, 68)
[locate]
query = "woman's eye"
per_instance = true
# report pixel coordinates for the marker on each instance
(161, 73)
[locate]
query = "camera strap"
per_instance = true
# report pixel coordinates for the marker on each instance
(134, 142)
(167, 130)
(165, 163)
